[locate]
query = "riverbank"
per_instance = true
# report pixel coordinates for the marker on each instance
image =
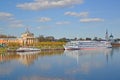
(44, 46)
(116, 44)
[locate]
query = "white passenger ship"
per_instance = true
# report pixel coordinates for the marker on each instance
(76, 45)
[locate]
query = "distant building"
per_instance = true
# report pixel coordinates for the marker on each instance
(8, 40)
(26, 38)
(111, 38)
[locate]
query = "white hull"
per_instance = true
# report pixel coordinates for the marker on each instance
(90, 48)
(23, 49)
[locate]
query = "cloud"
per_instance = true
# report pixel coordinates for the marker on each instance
(45, 4)
(9, 19)
(5, 16)
(82, 14)
(35, 77)
(44, 19)
(43, 27)
(86, 20)
(16, 23)
(63, 23)
(84, 17)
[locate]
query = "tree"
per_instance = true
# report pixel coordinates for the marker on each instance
(6, 36)
(88, 38)
(50, 38)
(41, 38)
(95, 39)
(63, 39)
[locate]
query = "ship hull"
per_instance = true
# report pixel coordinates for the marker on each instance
(86, 48)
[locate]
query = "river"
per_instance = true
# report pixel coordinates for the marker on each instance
(103, 64)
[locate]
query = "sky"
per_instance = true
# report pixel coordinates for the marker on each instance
(60, 18)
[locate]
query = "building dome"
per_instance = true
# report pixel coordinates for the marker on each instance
(27, 34)
(111, 36)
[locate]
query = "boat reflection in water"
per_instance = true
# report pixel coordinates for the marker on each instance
(28, 53)
(87, 53)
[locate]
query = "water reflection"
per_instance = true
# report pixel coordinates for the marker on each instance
(81, 53)
(88, 60)
(61, 65)
(27, 58)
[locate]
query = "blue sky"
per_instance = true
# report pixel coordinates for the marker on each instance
(60, 18)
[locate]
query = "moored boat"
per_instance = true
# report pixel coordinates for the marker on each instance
(27, 49)
(77, 45)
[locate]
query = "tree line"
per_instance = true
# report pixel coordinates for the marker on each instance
(7, 36)
(42, 38)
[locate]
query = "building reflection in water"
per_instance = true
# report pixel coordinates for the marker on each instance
(27, 58)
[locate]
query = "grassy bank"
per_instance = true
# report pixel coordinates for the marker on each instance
(50, 45)
(41, 45)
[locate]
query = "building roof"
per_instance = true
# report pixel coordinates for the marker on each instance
(111, 36)
(27, 33)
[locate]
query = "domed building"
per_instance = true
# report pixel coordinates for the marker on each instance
(111, 38)
(28, 38)
(27, 34)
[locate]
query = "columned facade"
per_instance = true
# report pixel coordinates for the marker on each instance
(28, 38)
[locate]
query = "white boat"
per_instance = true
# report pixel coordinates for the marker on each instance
(77, 45)
(27, 49)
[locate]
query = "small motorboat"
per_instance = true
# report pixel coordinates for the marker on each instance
(27, 49)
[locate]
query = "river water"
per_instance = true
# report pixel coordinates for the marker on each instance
(103, 64)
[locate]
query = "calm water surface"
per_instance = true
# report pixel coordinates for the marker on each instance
(61, 65)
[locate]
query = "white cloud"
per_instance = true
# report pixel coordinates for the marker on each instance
(5, 16)
(44, 19)
(85, 20)
(82, 14)
(63, 23)
(84, 17)
(10, 20)
(45, 4)
(16, 24)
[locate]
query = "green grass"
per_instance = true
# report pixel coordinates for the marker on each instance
(41, 45)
